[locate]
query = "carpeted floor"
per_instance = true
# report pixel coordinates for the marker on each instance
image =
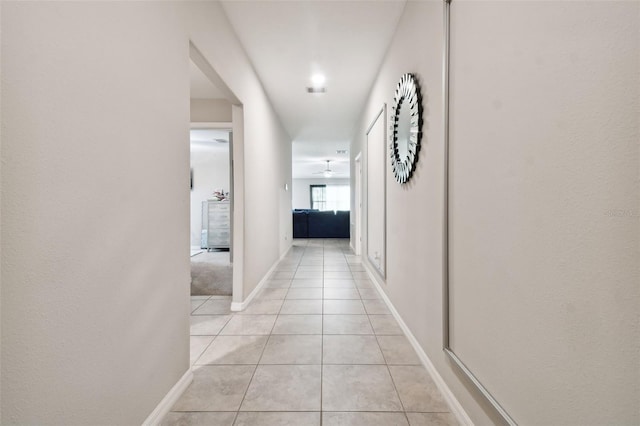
(211, 274)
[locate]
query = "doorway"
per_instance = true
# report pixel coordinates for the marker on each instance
(357, 193)
(211, 228)
(217, 114)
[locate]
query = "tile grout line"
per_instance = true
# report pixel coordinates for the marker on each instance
(398, 393)
(404, 411)
(326, 249)
(322, 339)
(258, 363)
(202, 353)
(386, 363)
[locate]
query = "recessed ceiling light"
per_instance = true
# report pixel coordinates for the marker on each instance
(318, 80)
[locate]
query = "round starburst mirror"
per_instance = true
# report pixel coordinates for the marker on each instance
(405, 133)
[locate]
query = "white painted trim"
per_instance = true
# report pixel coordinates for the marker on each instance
(224, 125)
(357, 194)
(169, 400)
(235, 306)
(453, 403)
(201, 62)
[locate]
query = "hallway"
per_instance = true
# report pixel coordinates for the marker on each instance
(509, 259)
(316, 346)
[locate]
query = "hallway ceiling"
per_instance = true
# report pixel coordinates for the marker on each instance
(209, 140)
(200, 85)
(289, 41)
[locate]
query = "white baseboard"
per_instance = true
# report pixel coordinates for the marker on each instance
(241, 306)
(453, 403)
(169, 399)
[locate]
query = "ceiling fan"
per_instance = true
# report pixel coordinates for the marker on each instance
(327, 172)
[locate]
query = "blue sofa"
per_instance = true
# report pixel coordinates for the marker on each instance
(317, 224)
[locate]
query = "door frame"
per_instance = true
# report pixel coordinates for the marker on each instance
(357, 196)
(236, 245)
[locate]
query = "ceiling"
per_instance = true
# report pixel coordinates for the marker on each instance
(209, 140)
(289, 41)
(201, 86)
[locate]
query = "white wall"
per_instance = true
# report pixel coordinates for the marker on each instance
(210, 110)
(95, 208)
(95, 157)
(267, 146)
(1, 44)
(554, 149)
(210, 173)
(300, 190)
(544, 142)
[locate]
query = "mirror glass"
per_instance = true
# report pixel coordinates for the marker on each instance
(404, 128)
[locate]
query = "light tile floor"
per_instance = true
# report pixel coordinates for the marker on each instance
(317, 346)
